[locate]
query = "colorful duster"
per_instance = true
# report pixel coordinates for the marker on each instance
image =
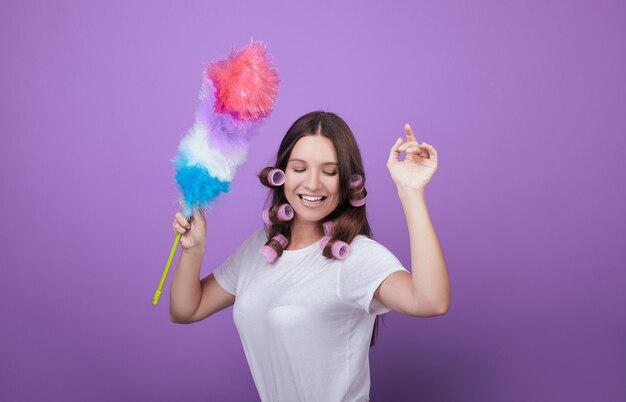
(237, 95)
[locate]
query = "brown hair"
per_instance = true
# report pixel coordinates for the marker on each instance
(347, 221)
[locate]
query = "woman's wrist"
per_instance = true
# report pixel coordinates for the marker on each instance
(409, 191)
(198, 250)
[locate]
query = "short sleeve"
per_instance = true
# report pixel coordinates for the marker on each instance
(368, 264)
(227, 274)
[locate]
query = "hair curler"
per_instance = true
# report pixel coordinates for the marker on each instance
(269, 253)
(356, 180)
(281, 239)
(324, 242)
(285, 212)
(358, 203)
(328, 228)
(266, 217)
(340, 249)
(276, 177)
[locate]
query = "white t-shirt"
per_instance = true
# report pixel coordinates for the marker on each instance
(306, 321)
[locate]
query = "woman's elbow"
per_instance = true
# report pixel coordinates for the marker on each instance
(179, 320)
(442, 310)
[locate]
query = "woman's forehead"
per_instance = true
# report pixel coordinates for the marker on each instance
(314, 149)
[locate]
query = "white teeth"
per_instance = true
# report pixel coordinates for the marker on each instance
(312, 199)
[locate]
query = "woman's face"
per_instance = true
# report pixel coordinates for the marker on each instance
(312, 171)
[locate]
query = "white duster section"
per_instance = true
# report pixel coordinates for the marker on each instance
(199, 150)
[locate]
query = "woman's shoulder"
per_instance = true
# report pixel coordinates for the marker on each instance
(257, 237)
(368, 249)
(363, 244)
(255, 240)
(362, 240)
(368, 255)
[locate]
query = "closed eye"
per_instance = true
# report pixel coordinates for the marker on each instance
(326, 173)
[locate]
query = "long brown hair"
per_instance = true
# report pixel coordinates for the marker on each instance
(347, 221)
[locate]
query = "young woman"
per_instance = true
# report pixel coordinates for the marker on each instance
(307, 290)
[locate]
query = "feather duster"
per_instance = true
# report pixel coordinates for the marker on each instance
(236, 96)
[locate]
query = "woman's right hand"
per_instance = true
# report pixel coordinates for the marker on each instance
(193, 237)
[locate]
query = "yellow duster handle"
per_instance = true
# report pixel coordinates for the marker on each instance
(157, 294)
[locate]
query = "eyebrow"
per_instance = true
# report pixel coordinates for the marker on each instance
(300, 160)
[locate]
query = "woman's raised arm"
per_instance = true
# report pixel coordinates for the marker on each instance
(192, 300)
(426, 292)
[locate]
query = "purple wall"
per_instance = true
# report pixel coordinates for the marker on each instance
(524, 102)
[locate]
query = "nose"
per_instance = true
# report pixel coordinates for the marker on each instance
(312, 181)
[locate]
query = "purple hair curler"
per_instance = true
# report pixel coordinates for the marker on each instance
(276, 177)
(285, 212)
(358, 203)
(340, 249)
(269, 253)
(324, 242)
(281, 239)
(266, 217)
(328, 228)
(355, 181)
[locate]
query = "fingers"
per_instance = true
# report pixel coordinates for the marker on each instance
(395, 151)
(180, 218)
(179, 229)
(411, 146)
(408, 144)
(408, 132)
(414, 147)
(431, 151)
(180, 224)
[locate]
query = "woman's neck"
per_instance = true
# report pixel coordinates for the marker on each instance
(304, 234)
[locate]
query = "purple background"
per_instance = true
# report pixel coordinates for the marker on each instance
(524, 101)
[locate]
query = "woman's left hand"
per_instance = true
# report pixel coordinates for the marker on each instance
(419, 166)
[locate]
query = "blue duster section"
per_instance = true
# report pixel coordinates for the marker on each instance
(198, 187)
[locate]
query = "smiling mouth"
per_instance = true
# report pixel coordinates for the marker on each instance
(311, 200)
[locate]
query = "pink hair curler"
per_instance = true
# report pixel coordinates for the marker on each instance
(324, 242)
(355, 181)
(269, 253)
(266, 217)
(285, 212)
(276, 177)
(358, 203)
(281, 239)
(328, 228)
(340, 249)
